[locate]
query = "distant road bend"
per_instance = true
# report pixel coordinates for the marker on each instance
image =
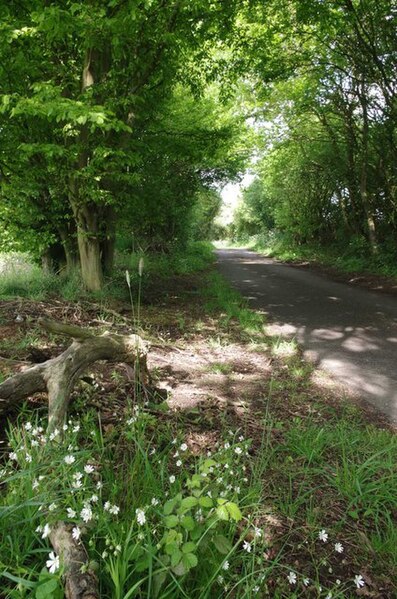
(348, 331)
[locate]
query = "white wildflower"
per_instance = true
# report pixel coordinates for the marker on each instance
(28, 458)
(323, 536)
(76, 532)
(94, 498)
(52, 507)
(89, 469)
(70, 513)
(76, 428)
(247, 546)
(220, 580)
(292, 578)
(107, 506)
(338, 547)
(35, 484)
(46, 531)
(227, 445)
(99, 485)
(338, 581)
(179, 463)
(104, 554)
(65, 427)
(359, 581)
(183, 447)
(69, 459)
(114, 509)
(35, 443)
(238, 450)
(28, 426)
(140, 516)
(86, 513)
(154, 501)
(172, 479)
(306, 582)
(77, 484)
(225, 565)
(257, 532)
(13, 456)
(52, 563)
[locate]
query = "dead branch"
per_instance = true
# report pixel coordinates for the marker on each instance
(58, 375)
(80, 581)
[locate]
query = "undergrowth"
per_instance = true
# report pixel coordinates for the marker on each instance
(353, 256)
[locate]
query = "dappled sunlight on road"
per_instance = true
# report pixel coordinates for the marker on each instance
(348, 331)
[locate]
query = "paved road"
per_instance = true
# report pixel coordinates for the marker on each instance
(347, 331)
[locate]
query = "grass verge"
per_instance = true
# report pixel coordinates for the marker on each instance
(352, 257)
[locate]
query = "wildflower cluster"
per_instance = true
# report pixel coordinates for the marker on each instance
(338, 548)
(61, 480)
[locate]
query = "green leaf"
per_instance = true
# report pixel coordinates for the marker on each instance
(176, 558)
(222, 544)
(222, 512)
(188, 547)
(171, 521)
(46, 589)
(234, 511)
(180, 569)
(158, 581)
(206, 501)
(189, 560)
(171, 548)
(143, 564)
(188, 523)
(188, 503)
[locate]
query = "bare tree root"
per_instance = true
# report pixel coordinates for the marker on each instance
(58, 375)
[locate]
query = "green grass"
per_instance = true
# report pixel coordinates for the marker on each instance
(229, 306)
(19, 277)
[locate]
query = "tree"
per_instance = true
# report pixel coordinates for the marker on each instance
(86, 77)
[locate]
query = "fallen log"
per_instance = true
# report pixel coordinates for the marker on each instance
(58, 375)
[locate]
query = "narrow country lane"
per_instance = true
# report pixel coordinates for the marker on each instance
(350, 332)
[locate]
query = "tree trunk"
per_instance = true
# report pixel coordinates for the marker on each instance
(90, 259)
(108, 240)
(69, 242)
(365, 196)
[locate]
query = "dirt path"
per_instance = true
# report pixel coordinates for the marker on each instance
(350, 332)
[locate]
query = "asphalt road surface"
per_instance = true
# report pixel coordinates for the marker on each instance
(348, 331)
